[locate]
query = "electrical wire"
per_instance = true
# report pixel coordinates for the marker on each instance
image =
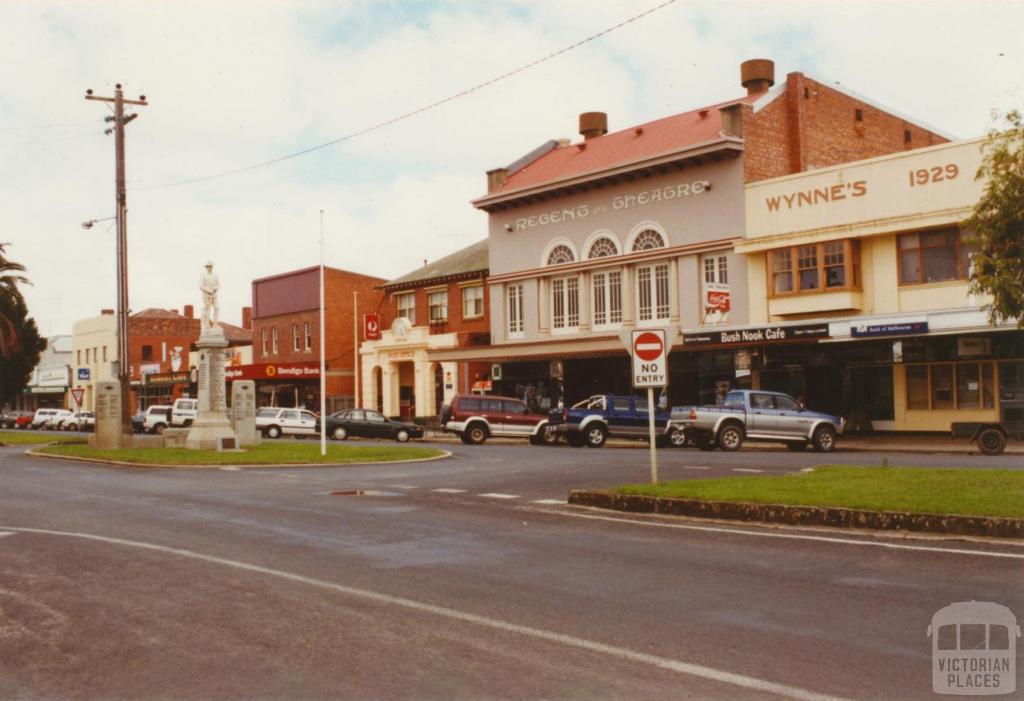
(411, 113)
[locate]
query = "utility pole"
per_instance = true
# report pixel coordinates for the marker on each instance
(120, 121)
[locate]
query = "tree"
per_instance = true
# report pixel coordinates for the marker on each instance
(20, 342)
(10, 297)
(995, 229)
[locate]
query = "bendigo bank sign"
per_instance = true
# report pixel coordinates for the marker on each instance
(273, 371)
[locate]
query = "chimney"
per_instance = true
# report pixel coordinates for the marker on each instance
(189, 312)
(106, 312)
(496, 179)
(247, 318)
(757, 75)
(593, 124)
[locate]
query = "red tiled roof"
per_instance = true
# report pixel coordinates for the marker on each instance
(618, 148)
(154, 313)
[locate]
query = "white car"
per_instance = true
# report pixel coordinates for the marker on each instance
(45, 418)
(273, 422)
(184, 411)
(156, 418)
(82, 421)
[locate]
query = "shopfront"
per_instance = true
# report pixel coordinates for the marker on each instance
(288, 385)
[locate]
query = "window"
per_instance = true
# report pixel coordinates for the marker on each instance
(515, 309)
(652, 291)
(375, 417)
(607, 297)
(602, 248)
(716, 270)
(296, 343)
(932, 256)
(490, 406)
(648, 240)
(785, 403)
(406, 304)
(831, 265)
(308, 329)
(715, 289)
(469, 404)
(263, 340)
(513, 407)
(87, 352)
(946, 386)
(437, 304)
(104, 354)
(472, 302)
(273, 340)
(560, 254)
(620, 404)
(565, 303)
(147, 353)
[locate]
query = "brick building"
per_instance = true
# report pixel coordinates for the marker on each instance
(637, 228)
(439, 307)
(286, 336)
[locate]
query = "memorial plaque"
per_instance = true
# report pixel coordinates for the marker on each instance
(243, 412)
(108, 416)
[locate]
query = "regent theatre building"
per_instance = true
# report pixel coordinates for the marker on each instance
(865, 267)
(637, 228)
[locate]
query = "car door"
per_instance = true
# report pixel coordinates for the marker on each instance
(761, 416)
(377, 425)
(492, 410)
(307, 423)
(516, 418)
(622, 420)
(289, 421)
(790, 418)
(353, 421)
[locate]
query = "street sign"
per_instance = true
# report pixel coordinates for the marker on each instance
(650, 362)
(78, 393)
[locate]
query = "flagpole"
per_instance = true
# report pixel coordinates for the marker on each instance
(323, 354)
(356, 402)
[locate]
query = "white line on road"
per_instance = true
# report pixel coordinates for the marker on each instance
(694, 467)
(403, 486)
(3, 533)
(745, 469)
(762, 686)
(548, 501)
(498, 495)
(790, 536)
(230, 469)
(448, 490)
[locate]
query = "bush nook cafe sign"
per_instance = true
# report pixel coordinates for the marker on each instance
(762, 334)
(640, 199)
(273, 371)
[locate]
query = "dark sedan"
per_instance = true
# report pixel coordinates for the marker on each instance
(369, 424)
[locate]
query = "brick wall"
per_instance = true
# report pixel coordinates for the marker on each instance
(471, 331)
(812, 126)
(155, 332)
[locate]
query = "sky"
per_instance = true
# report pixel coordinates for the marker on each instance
(233, 84)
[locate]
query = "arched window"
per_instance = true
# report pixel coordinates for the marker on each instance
(602, 248)
(647, 240)
(560, 254)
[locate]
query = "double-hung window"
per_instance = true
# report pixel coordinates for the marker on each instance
(263, 340)
(406, 305)
(565, 303)
(437, 303)
(515, 310)
(815, 267)
(274, 345)
(296, 343)
(607, 297)
(472, 302)
(652, 291)
(308, 329)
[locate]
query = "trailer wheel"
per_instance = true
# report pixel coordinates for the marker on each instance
(991, 441)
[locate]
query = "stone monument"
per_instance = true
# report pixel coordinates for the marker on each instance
(107, 435)
(243, 412)
(211, 429)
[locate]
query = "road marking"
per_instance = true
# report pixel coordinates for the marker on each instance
(3, 533)
(403, 486)
(745, 469)
(447, 490)
(694, 467)
(548, 501)
(791, 536)
(762, 686)
(498, 495)
(230, 469)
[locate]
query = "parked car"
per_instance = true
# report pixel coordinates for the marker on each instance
(44, 418)
(475, 418)
(758, 415)
(183, 412)
(156, 418)
(273, 422)
(595, 419)
(82, 421)
(16, 419)
(24, 421)
(366, 423)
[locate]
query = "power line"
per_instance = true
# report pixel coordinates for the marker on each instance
(415, 112)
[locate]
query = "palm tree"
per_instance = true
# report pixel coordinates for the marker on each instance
(10, 300)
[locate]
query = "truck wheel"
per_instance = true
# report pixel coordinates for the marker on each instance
(188, 423)
(273, 432)
(596, 436)
(549, 437)
(677, 438)
(464, 438)
(991, 441)
(339, 433)
(476, 434)
(159, 429)
(575, 439)
(797, 446)
(825, 439)
(730, 438)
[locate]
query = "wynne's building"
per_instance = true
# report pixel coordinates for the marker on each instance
(637, 228)
(869, 259)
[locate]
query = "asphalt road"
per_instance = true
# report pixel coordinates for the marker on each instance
(463, 578)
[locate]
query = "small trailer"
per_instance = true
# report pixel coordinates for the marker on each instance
(991, 436)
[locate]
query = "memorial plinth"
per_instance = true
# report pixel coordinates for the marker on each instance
(107, 433)
(211, 426)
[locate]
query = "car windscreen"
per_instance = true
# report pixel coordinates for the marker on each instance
(266, 413)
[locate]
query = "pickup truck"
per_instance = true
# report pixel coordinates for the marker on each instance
(183, 412)
(592, 421)
(757, 415)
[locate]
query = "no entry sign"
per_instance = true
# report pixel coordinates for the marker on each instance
(650, 366)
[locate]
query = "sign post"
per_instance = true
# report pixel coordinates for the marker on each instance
(650, 370)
